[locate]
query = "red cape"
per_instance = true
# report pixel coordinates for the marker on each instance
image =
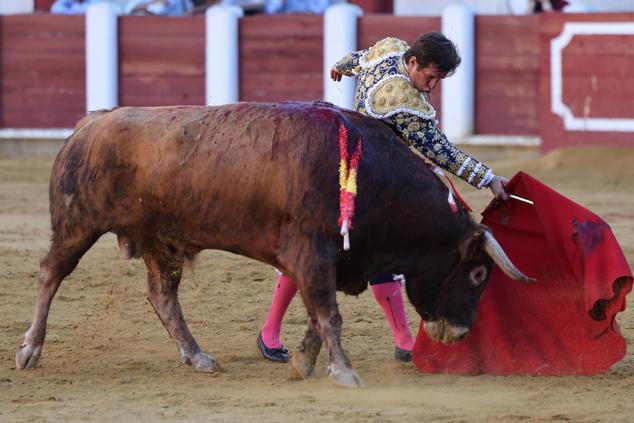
(562, 325)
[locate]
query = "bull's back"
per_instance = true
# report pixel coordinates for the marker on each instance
(210, 172)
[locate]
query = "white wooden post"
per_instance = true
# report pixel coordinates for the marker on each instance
(222, 77)
(340, 38)
(458, 91)
(102, 61)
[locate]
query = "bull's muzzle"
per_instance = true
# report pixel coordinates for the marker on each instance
(443, 331)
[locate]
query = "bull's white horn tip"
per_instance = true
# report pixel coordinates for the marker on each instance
(529, 280)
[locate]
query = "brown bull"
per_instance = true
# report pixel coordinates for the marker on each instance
(261, 180)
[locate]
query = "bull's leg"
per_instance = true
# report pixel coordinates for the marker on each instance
(320, 297)
(60, 261)
(163, 281)
(305, 357)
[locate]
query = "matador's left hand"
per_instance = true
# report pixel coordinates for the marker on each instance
(335, 75)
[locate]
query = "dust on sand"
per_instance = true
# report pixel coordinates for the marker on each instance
(108, 358)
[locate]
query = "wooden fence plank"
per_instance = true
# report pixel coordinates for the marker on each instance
(594, 85)
(507, 75)
(285, 64)
(372, 28)
(161, 61)
(42, 71)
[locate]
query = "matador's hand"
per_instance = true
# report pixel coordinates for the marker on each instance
(497, 187)
(335, 75)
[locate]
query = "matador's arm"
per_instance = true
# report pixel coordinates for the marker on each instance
(424, 135)
(349, 65)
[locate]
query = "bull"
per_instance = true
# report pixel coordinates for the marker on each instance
(261, 180)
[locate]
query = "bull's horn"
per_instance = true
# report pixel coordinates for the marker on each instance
(494, 249)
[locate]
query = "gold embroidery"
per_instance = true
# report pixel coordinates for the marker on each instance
(431, 143)
(394, 93)
(413, 126)
(384, 47)
(386, 88)
(349, 65)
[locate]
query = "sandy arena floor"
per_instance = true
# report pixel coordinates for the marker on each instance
(107, 358)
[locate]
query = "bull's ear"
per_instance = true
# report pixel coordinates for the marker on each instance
(471, 246)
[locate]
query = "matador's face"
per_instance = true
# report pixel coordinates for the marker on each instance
(424, 79)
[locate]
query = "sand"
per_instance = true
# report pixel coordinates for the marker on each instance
(107, 358)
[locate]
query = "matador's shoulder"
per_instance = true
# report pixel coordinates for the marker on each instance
(383, 49)
(396, 94)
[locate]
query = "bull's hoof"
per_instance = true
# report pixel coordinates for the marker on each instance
(301, 367)
(204, 362)
(27, 356)
(348, 378)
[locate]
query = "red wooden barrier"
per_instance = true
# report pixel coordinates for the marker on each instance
(507, 75)
(43, 5)
(375, 6)
(42, 64)
(596, 81)
(372, 28)
(281, 58)
(161, 60)
(42, 71)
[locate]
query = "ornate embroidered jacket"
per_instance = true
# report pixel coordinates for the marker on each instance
(384, 91)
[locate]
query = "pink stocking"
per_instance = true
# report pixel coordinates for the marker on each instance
(389, 297)
(282, 297)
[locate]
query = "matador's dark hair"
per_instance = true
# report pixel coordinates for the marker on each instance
(434, 48)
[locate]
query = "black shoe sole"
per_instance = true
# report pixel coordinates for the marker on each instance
(402, 355)
(276, 355)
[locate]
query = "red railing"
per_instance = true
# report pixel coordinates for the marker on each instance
(162, 62)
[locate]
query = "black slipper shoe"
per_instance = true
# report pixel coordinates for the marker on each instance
(278, 355)
(402, 355)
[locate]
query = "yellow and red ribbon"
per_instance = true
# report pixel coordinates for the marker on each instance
(347, 183)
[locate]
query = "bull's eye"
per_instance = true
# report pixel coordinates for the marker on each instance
(478, 275)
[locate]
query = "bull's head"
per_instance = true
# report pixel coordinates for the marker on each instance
(448, 297)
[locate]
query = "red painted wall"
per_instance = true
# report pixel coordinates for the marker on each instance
(597, 81)
(42, 68)
(375, 6)
(42, 71)
(43, 5)
(281, 58)
(507, 75)
(161, 60)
